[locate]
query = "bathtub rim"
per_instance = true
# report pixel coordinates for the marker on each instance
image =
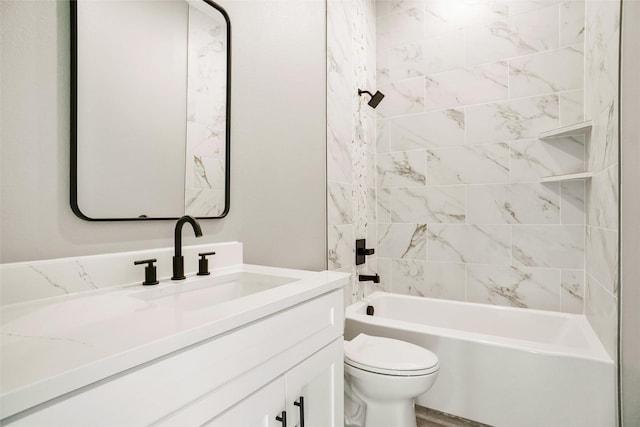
(595, 352)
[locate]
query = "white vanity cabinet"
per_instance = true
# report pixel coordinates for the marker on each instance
(244, 377)
(259, 409)
(319, 382)
(309, 394)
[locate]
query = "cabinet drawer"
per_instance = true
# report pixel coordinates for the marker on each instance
(149, 393)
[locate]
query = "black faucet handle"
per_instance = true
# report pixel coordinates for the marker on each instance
(362, 251)
(203, 263)
(149, 271)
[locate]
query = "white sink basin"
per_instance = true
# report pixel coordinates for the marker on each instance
(199, 293)
(42, 318)
(61, 317)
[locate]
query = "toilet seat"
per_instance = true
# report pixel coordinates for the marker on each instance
(389, 356)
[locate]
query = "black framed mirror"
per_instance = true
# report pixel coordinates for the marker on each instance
(150, 109)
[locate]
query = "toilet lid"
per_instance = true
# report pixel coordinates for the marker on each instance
(389, 356)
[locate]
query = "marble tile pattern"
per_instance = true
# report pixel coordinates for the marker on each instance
(460, 211)
(602, 192)
(572, 291)
(571, 107)
(31, 280)
(352, 204)
(444, 177)
(514, 286)
(206, 115)
(601, 309)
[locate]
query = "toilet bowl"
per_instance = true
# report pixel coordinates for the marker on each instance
(382, 377)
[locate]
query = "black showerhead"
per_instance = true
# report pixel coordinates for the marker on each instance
(375, 97)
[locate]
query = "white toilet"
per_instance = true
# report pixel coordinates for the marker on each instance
(382, 377)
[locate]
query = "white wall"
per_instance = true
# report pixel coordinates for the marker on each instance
(278, 145)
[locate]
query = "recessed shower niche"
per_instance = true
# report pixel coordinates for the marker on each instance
(150, 103)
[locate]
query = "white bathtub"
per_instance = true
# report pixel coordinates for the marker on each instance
(501, 366)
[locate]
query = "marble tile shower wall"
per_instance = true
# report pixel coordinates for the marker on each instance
(460, 212)
(351, 137)
(601, 105)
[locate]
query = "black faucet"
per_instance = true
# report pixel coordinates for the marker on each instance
(178, 259)
(366, 278)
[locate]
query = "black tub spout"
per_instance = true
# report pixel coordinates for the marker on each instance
(367, 278)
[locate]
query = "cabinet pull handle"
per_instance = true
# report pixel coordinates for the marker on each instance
(300, 404)
(282, 418)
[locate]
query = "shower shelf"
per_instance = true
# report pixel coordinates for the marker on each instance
(567, 177)
(581, 128)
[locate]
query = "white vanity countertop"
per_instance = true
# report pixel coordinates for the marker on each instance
(52, 346)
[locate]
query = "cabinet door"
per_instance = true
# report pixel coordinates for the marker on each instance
(260, 409)
(318, 380)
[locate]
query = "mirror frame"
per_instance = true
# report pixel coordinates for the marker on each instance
(74, 116)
